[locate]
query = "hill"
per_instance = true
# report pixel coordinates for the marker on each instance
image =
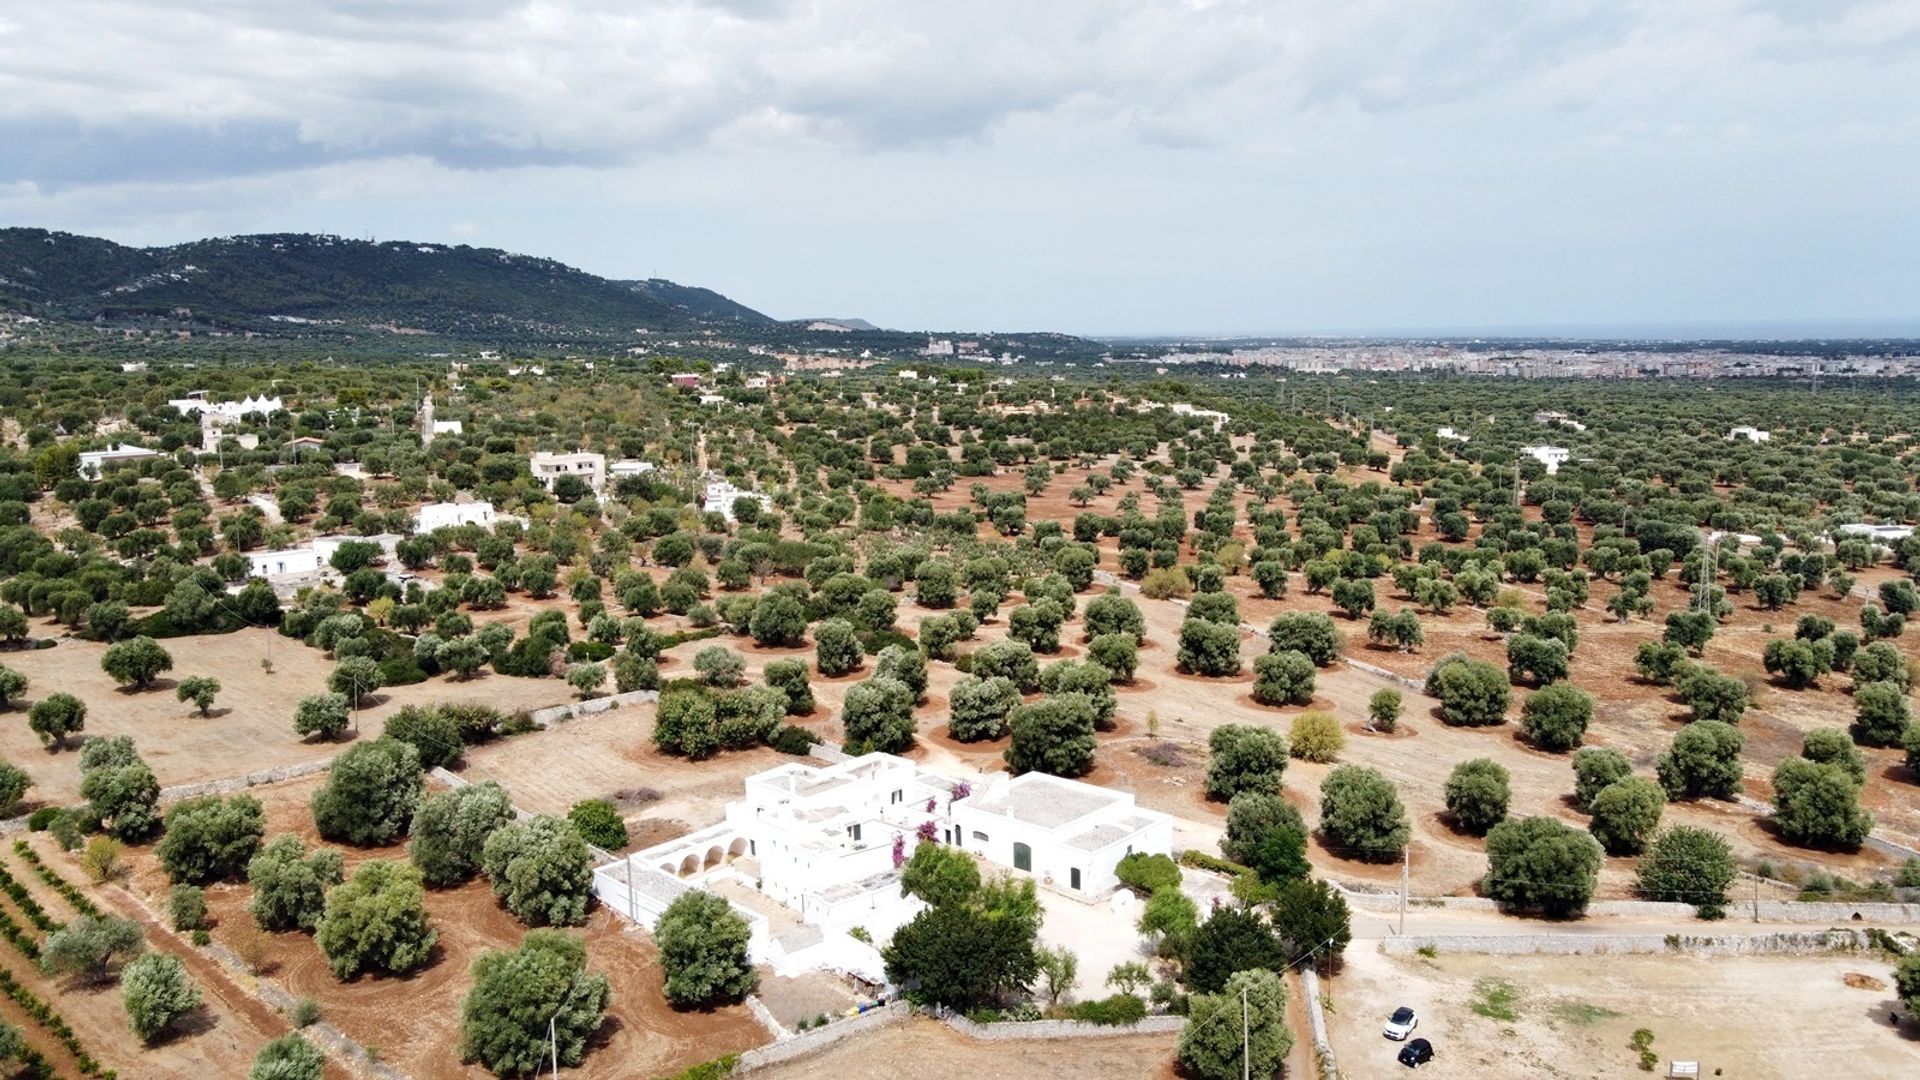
(299, 285)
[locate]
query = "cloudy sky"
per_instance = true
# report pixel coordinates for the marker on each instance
(1099, 166)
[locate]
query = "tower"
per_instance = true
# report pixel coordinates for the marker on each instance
(426, 420)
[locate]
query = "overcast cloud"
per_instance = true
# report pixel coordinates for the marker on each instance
(1089, 165)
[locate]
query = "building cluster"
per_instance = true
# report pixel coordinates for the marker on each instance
(1542, 361)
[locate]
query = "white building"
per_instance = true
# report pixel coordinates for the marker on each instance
(446, 515)
(1884, 534)
(1447, 434)
(626, 467)
(94, 462)
(1751, 434)
(227, 410)
(587, 466)
(823, 843)
(1550, 417)
(721, 494)
(1551, 456)
(1183, 408)
(292, 562)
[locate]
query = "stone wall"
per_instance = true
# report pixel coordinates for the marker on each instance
(1317, 1020)
(812, 1042)
(573, 710)
(1787, 911)
(1786, 943)
(232, 784)
(1063, 1029)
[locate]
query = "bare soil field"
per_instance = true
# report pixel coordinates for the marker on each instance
(219, 1039)
(1574, 1016)
(414, 1021)
(252, 723)
(930, 1050)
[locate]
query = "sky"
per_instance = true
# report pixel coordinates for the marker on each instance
(1090, 166)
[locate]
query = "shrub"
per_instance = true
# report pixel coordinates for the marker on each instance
(1361, 816)
(1244, 758)
(793, 739)
(1118, 1010)
(1241, 1028)
(1541, 864)
(325, 715)
(1556, 717)
(789, 676)
(599, 824)
(156, 993)
(1477, 792)
(371, 793)
(1383, 710)
(1147, 874)
(288, 1057)
(376, 921)
(541, 870)
(703, 951)
(1625, 815)
(187, 907)
(1316, 736)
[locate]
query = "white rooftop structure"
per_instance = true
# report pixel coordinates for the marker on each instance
(1882, 533)
(1551, 456)
(1751, 434)
(228, 410)
(92, 462)
(446, 515)
(1449, 435)
(823, 842)
(626, 467)
(1546, 416)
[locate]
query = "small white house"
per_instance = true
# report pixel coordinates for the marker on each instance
(627, 467)
(1751, 434)
(292, 562)
(228, 410)
(721, 494)
(1447, 434)
(94, 462)
(1883, 534)
(1551, 456)
(1546, 416)
(446, 515)
(1068, 834)
(587, 466)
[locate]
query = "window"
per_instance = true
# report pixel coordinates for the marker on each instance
(854, 831)
(1022, 857)
(980, 836)
(896, 796)
(1073, 879)
(753, 847)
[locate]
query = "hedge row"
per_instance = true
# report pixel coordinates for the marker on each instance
(25, 901)
(54, 881)
(44, 1015)
(19, 938)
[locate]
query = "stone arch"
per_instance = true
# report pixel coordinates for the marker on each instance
(715, 855)
(690, 864)
(737, 848)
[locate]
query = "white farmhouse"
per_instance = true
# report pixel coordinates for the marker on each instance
(446, 515)
(1551, 417)
(587, 466)
(227, 410)
(721, 494)
(1551, 456)
(821, 844)
(1751, 434)
(292, 562)
(1447, 434)
(93, 462)
(1882, 534)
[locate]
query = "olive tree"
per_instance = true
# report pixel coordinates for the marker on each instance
(1593, 769)
(878, 716)
(541, 870)
(156, 993)
(1703, 760)
(450, 829)
(376, 921)
(1054, 735)
(1818, 805)
(1688, 865)
(1625, 815)
(1881, 715)
(210, 839)
(1472, 693)
(1283, 678)
(532, 1005)
(1361, 816)
(55, 717)
(1541, 864)
(1242, 1030)
(1476, 795)
(1556, 717)
(370, 795)
(1243, 757)
(324, 715)
(703, 951)
(290, 884)
(978, 708)
(136, 662)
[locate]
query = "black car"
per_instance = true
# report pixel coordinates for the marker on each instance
(1416, 1053)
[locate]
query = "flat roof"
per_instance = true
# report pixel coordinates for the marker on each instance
(1047, 801)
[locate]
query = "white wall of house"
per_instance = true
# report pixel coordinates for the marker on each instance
(287, 563)
(446, 515)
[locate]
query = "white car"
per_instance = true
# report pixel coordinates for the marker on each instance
(1401, 1023)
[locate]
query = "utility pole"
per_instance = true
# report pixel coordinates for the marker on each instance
(1406, 860)
(553, 1043)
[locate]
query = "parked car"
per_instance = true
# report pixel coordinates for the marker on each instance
(1401, 1023)
(1416, 1053)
